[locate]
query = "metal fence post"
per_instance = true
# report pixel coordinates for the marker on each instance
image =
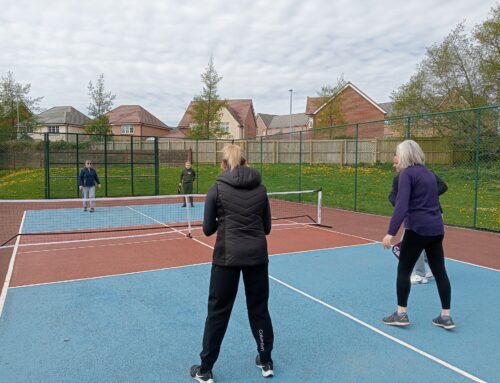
(300, 163)
(47, 164)
(476, 175)
(106, 165)
(261, 158)
(77, 166)
(408, 127)
(197, 167)
(356, 170)
(157, 166)
(132, 164)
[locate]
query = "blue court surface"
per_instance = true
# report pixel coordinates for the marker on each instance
(326, 308)
(67, 219)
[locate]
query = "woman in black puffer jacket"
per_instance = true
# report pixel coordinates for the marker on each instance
(237, 208)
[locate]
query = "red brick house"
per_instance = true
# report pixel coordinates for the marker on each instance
(355, 107)
(238, 119)
(134, 120)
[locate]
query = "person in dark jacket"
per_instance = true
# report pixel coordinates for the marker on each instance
(417, 205)
(419, 274)
(87, 181)
(186, 181)
(237, 208)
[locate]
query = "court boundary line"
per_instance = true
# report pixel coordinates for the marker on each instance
(472, 264)
(109, 276)
(380, 332)
(8, 276)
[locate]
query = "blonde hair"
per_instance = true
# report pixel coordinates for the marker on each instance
(232, 156)
(410, 153)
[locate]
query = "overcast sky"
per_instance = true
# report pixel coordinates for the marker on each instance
(152, 52)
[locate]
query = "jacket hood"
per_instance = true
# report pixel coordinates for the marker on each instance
(241, 177)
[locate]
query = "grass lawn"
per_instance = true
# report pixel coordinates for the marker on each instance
(337, 182)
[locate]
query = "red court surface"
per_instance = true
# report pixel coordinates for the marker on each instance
(91, 259)
(70, 261)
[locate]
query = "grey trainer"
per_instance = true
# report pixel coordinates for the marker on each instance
(444, 321)
(396, 319)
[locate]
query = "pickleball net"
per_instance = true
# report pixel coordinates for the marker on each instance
(37, 222)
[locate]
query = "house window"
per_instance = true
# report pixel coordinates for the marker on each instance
(127, 129)
(224, 126)
(53, 129)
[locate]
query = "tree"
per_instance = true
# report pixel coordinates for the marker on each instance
(101, 103)
(206, 110)
(461, 72)
(330, 110)
(17, 108)
(487, 35)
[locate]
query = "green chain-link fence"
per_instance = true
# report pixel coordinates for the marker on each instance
(353, 168)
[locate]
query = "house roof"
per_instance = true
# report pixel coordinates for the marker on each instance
(176, 133)
(282, 121)
(134, 114)
(266, 118)
(312, 102)
(239, 109)
(63, 115)
(387, 106)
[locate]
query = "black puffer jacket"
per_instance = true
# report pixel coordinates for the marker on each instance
(237, 208)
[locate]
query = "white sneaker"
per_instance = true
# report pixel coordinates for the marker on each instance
(429, 275)
(417, 279)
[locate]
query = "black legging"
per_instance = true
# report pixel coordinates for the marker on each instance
(223, 288)
(411, 248)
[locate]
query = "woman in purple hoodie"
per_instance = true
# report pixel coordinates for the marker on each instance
(417, 205)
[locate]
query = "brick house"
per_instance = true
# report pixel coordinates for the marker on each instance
(355, 106)
(238, 119)
(134, 120)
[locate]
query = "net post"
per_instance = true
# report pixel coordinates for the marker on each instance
(188, 212)
(320, 199)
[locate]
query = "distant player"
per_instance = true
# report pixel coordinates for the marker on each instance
(186, 181)
(87, 181)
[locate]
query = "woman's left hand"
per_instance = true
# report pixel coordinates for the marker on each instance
(387, 241)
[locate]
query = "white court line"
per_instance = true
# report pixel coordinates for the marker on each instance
(103, 245)
(172, 228)
(8, 276)
(109, 276)
(473, 264)
(380, 332)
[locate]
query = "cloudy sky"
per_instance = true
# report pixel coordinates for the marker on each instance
(152, 52)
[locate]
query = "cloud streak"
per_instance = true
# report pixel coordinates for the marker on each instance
(152, 53)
